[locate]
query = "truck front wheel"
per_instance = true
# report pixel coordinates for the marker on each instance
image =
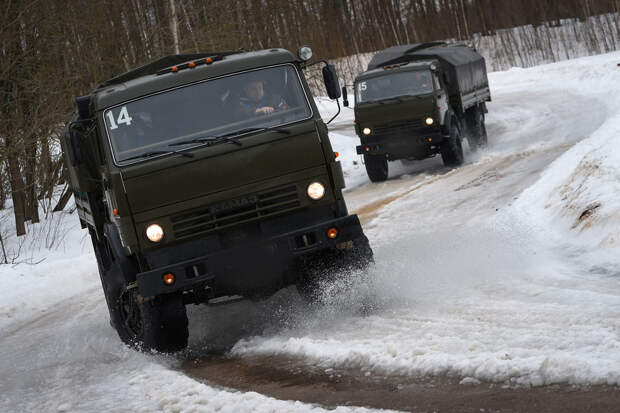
(376, 168)
(452, 148)
(164, 323)
(158, 324)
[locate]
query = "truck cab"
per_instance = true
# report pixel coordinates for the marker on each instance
(417, 101)
(207, 176)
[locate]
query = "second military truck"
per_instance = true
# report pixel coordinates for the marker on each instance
(419, 100)
(206, 176)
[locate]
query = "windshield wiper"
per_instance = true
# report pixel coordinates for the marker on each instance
(381, 101)
(210, 140)
(248, 130)
(155, 153)
(397, 98)
(227, 137)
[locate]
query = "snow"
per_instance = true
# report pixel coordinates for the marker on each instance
(485, 272)
(52, 262)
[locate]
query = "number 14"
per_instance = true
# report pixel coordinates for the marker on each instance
(123, 118)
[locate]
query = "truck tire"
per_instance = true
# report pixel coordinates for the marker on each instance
(165, 326)
(376, 168)
(471, 124)
(481, 129)
(452, 148)
(332, 266)
(159, 324)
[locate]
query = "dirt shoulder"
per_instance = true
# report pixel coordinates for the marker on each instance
(291, 380)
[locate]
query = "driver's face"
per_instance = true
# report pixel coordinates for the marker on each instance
(254, 91)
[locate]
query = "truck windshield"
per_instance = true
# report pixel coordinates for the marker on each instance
(249, 101)
(390, 85)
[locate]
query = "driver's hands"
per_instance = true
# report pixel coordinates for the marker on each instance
(265, 110)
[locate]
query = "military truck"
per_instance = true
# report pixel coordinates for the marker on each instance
(206, 176)
(420, 100)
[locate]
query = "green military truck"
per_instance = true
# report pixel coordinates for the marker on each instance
(207, 176)
(419, 100)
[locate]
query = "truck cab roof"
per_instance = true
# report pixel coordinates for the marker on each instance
(401, 67)
(159, 75)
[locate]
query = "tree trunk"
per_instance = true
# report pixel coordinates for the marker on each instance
(64, 199)
(17, 188)
(32, 203)
(173, 27)
(2, 189)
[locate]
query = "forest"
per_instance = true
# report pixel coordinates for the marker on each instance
(55, 50)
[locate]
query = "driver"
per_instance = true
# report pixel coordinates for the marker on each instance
(422, 82)
(255, 101)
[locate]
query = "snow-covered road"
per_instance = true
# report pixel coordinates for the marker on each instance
(491, 272)
(470, 288)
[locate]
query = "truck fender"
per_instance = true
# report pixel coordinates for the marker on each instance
(126, 265)
(447, 124)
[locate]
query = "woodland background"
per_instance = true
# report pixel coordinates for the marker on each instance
(54, 50)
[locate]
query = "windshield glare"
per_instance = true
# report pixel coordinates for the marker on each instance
(410, 83)
(258, 99)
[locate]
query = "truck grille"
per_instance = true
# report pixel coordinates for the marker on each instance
(398, 127)
(235, 211)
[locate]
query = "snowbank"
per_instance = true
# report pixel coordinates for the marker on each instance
(576, 201)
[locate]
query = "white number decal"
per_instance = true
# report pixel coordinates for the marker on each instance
(123, 118)
(363, 86)
(113, 124)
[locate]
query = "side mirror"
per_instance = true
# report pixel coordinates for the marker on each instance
(75, 147)
(330, 77)
(83, 106)
(345, 100)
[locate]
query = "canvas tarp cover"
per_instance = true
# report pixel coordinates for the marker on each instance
(465, 67)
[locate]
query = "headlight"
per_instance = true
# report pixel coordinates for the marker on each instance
(316, 190)
(366, 131)
(154, 232)
(429, 121)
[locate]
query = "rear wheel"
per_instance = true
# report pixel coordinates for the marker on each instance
(481, 129)
(476, 130)
(452, 148)
(376, 167)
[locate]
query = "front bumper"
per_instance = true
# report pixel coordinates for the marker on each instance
(248, 268)
(402, 146)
